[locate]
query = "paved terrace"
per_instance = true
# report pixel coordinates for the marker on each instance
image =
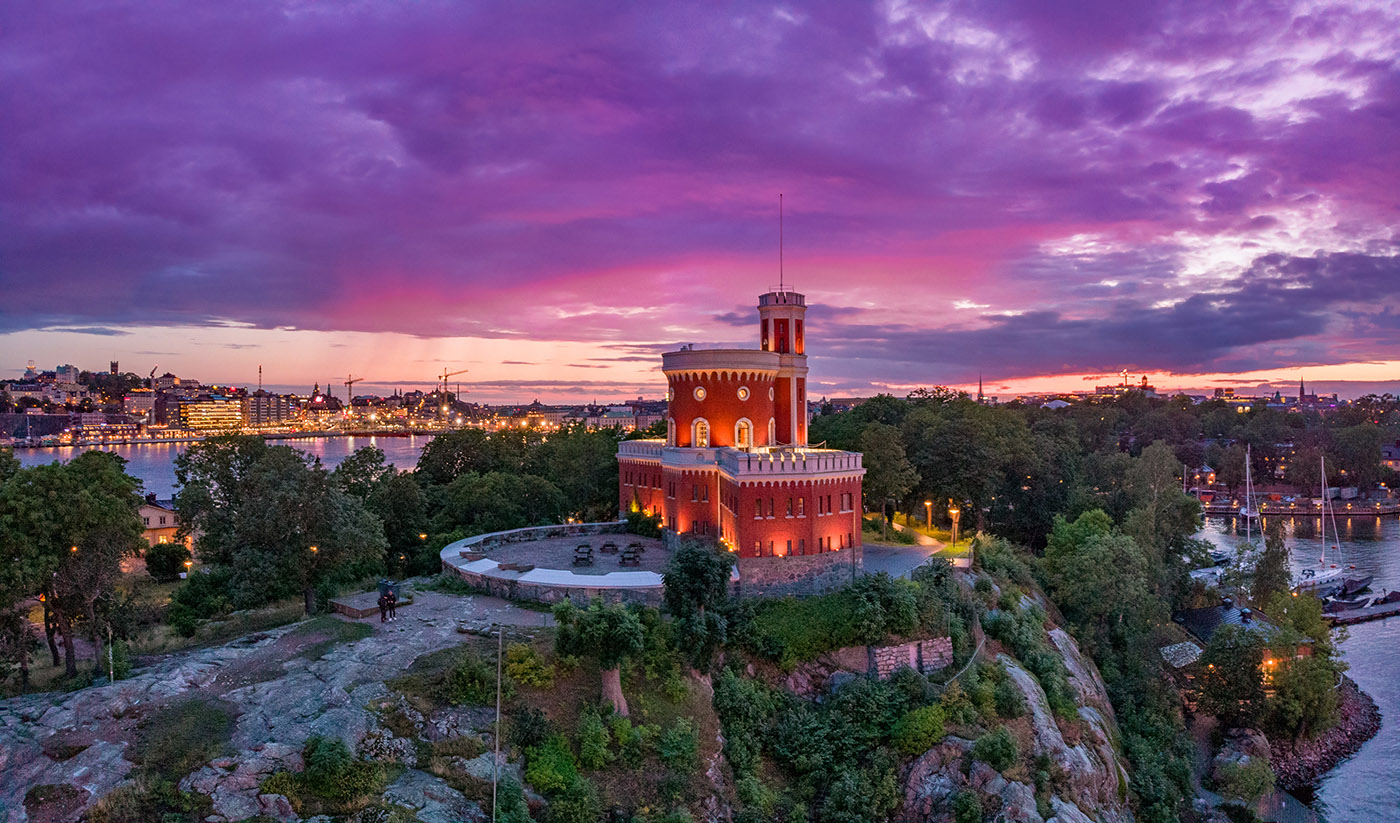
(506, 567)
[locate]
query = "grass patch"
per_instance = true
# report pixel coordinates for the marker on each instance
(175, 740)
(50, 801)
(332, 632)
(334, 782)
(150, 799)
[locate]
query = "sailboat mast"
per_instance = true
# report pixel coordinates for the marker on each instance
(1322, 512)
(1248, 495)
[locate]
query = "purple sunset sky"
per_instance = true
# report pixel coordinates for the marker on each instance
(552, 193)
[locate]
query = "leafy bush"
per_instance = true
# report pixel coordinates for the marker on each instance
(332, 773)
(679, 746)
(790, 631)
(472, 682)
(997, 749)
(966, 808)
(593, 739)
(643, 525)
(576, 803)
(919, 730)
(528, 727)
(165, 561)
(957, 705)
(550, 767)
(1010, 702)
(1246, 782)
(525, 665)
(745, 708)
(510, 803)
(631, 740)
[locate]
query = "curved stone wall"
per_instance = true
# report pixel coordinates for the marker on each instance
(466, 559)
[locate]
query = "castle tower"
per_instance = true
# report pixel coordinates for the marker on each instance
(780, 315)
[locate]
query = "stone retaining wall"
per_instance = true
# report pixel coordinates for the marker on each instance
(799, 575)
(545, 593)
(527, 535)
(923, 656)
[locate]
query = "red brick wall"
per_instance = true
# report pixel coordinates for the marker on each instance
(808, 531)
(721, 407)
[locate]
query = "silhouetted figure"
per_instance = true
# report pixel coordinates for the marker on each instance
(393, 602)
(383, 608)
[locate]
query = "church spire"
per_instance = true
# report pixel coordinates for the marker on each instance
(1301, 391)
(979, 388)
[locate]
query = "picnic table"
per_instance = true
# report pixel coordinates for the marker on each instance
(636, 545)
(630, 557)
(583, 555)
(609, 548)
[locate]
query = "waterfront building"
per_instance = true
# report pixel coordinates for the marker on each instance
(263, 408)
(735, 465)
(209, 413)
(140, 402)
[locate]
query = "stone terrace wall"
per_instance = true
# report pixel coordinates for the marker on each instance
(546, 593)
(799, 575)
(514, 589)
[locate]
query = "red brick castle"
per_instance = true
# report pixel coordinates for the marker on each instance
(735, 465)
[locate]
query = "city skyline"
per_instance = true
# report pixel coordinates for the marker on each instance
(1203, 194)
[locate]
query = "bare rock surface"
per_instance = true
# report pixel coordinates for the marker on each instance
(280, 696)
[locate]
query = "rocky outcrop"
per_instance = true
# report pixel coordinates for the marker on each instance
(432, 800)
(1096, 777)
(280, 699)
(1299, 763)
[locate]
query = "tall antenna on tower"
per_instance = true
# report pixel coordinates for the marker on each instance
(259, 377)
(780, 241)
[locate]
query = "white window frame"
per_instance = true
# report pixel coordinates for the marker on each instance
(695, 433)
(743, 424)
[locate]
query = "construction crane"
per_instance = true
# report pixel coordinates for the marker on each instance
(446, 374)
(151, 378)
(350, 381)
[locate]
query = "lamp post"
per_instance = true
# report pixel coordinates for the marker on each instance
(954, 512)
(928, 510)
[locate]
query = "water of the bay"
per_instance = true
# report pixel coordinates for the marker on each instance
(1367, 785)
(153, 464)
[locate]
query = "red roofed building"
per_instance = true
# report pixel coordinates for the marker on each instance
(735, 465)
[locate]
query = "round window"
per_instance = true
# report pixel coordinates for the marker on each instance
(770, 393)
(699, 392)
(743, 392)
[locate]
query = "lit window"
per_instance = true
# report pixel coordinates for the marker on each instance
(801, 507)
(743, 392)
(701, 438)
(743, 434)
(699, 392)
(771, 394)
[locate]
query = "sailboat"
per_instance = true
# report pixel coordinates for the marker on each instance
(1248, 512)
(1323, 574)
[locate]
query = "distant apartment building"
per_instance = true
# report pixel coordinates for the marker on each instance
(139, 402)
(159, 522)
(263, 408)
(208, 413)
(66, 374)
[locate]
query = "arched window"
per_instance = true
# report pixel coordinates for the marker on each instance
(700, 434)
(670, 431)
(772, 432)
(743, 434)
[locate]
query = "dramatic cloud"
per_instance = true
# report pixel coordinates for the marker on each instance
(1015, 188)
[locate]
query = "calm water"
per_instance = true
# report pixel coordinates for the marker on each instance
(153, 464)
(1367, 786)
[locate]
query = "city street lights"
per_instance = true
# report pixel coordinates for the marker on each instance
(928, 510)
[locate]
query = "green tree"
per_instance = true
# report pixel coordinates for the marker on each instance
(64, 530)
(454, 453)
(1271, 574)
(210, 476)
(888, 472)
(362, 472)
(610, 634)
(697, 589)
(1230, 683)
(498, 501)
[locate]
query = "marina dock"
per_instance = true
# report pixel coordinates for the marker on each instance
(1364, 615)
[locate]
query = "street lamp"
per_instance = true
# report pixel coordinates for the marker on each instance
(928, 509)
(954, 512)
(422, 535)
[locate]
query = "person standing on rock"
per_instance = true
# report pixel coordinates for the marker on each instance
(383, 608)
(393, 601)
